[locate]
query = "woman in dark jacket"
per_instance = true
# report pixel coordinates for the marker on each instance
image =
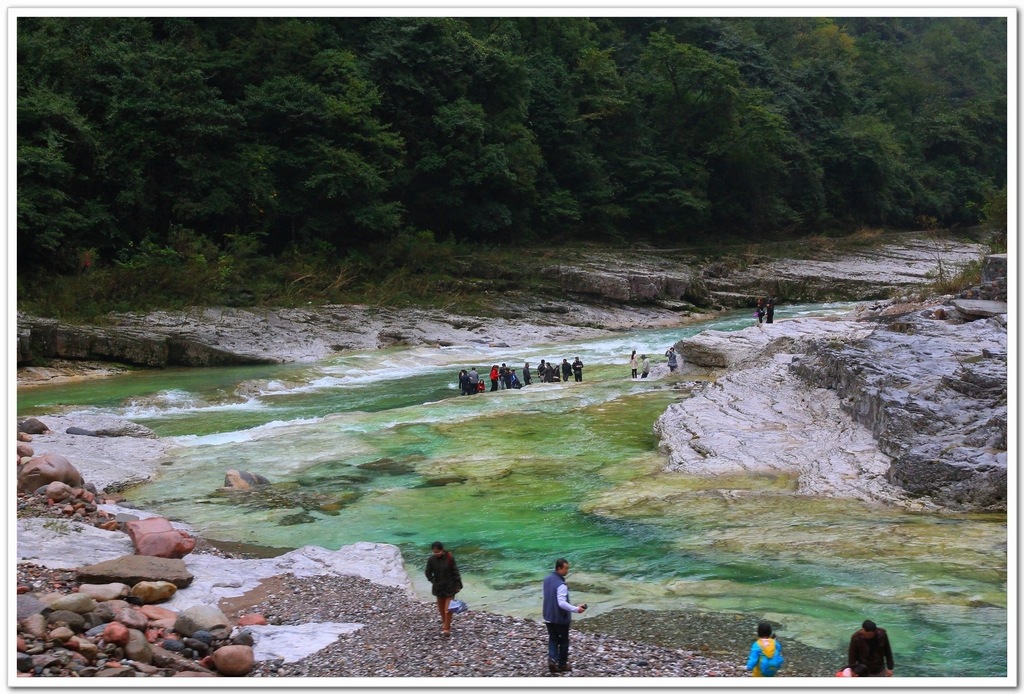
(445, 580)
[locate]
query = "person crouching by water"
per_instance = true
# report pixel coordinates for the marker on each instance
(445, 582)
(869, 647)
(557, 612)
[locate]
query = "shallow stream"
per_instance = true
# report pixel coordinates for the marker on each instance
(379, 446)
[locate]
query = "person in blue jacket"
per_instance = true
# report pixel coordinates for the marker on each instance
(557, 612)
(766, 645)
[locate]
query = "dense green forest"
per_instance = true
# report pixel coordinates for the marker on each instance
(149, 141)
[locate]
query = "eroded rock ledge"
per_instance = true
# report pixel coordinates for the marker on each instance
(901, 405)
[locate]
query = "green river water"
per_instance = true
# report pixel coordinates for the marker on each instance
(379, 446)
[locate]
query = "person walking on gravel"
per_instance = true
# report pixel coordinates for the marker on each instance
(557, 616)
(445, 582)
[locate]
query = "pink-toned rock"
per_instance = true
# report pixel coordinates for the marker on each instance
(23, 589)
(234, 661)
(116, 633)
(21, 645)
(26, 438)
(132, 618)
(154, 635)
(173, 544)
(154, 612)
(250, 619)
(46, 468)
(61, 634)
(167, 623)
(25, 451)
(156, 537)
(109, 525)
(58, 491)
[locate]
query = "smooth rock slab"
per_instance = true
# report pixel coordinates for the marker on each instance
(980, 309)
(62, 544)
(132, 569)
(293, 643)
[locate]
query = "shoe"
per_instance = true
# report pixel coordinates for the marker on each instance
(565, 668)
(552, 666)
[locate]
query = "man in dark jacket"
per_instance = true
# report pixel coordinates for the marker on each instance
(557, 616)
(870, 650)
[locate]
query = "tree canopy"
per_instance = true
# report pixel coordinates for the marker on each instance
(333, 135)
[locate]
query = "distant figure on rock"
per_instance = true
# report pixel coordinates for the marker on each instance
(526, 374)
(646, 371)
(445, 582)
(464, 382)
(673, 363)
(233, 479)
(494, 378)
(577, 370)
(759, 313)
(474, 381)
(769, 311)
(566, 370)
(632, 364)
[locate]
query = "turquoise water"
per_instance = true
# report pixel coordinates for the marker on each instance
(379, 446)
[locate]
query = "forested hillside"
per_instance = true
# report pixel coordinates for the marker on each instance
(148, 139)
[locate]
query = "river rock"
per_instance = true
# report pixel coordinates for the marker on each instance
(200, 618)
(32, 426)
(155, 612)
(73, 620)
(58, 491)
(974, 309)
(116, 633)
(153, 591)
(154, 537)
(29, 604)
(134, 568)
(137, 647)
(101, 592)
(25, 451)
(233, 479)
(132, 618)
(79, 431)
(43, 469)
(234, 661)
(61, 634)
(251, 619)
(75, 602)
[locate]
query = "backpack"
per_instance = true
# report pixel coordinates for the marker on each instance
(770, 666)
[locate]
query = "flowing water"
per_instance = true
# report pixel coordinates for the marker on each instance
(379, 446)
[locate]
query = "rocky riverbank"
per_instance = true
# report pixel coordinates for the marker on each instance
(89, 607)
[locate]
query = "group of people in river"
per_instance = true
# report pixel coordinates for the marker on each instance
(504, 377)
(869, 653)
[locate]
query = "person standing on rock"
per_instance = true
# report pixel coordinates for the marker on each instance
(526, 374)
(673, 363)
(445, 582)
(557, 612)
(464, 382)
(494, 378)
(769, 311)
(632, 364)
(759, 313)
(870, 649)
(577, 370)
(566, 370)
(474, 379)
(646, 366)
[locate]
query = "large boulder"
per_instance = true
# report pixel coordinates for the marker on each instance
(65, 544)
(43, 469)
(234, 661)
(133, 568)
